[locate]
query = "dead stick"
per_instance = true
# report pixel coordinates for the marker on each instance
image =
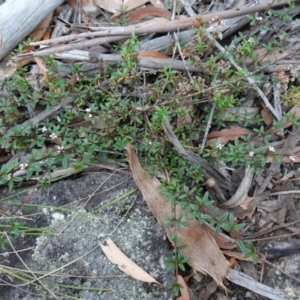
(176, 24)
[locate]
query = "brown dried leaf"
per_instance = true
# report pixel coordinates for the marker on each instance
(265, 113)
(201, 249)
(245, 209)
(247, 202)
(39, 31)
(148, 12)
(225, 135)
(126, 265)
(275, 55)
(47, 34)
(153, 54)
(232, 132)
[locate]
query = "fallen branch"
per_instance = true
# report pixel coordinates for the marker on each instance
(251, 284)
(114, 59)
(166, 26)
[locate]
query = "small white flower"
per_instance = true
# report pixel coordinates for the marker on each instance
(292, 157)
(58, 119)
(271, 149)
(44, 129)
(88, 110)
(53, 136)
(251, 153)
(258, 18)
(90, 115)
(60, 149)
(150, 143)
(220, 146)
(23, 166)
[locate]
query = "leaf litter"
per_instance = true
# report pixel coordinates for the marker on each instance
(194, 236)
(242, 205)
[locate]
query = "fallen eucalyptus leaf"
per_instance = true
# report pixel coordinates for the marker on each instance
(117, 257)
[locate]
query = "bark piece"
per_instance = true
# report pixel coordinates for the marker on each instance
(252, 285)
(18, 18)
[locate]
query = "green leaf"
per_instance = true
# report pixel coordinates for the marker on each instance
(254, 259)
(242, 246)
(11, 184)
(186, 189)
(224, 217)
(239, 226)
(217, 230)
(17, 179)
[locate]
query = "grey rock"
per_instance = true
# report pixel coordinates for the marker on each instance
(85, 213)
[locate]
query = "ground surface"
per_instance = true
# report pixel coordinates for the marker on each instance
(131, 226)
(72, 216)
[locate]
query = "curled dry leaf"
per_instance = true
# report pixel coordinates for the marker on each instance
(201, 249)
(148, 12)
(242, 192)
(126, 265)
